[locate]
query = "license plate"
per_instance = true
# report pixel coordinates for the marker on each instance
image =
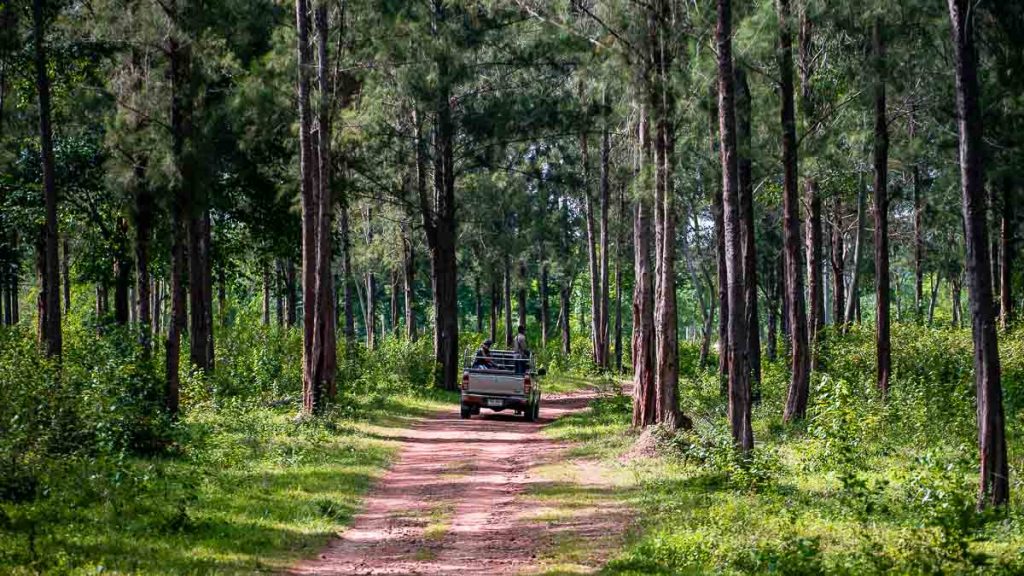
(495, 402)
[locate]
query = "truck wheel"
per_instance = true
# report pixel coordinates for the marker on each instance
(531, 412)
(536, 410)
(466, 412)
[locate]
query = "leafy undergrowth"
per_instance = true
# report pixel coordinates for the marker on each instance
(94, 479)
(251, 490)
(861, 487)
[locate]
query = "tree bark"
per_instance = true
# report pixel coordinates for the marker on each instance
(618, 283)
(994, 484)
(143, 234)
(440, 225)
(563, 316)
(718, 216)
(371, 288)
(122, 275)
(65, 273)
(312, 394)
(853, 303)
(605, 196)
(348, 327)
(739, 366)
(522, 293)
(815, 281)
(838, 260)
(592, 266)
(266, 294)
(644, 408)
(495, 297)
(747, 231)
(408, 284)
(507, 301)
(1007, 250)
(50, 288)
(799, 383)
(915, 178)
(181, 130)
(545, 305)
(881, 213)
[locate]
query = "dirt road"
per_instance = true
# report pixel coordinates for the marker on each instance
(457, 501)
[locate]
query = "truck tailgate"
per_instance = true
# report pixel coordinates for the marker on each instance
(497, 384)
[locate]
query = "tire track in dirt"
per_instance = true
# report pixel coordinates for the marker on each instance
(453, 503)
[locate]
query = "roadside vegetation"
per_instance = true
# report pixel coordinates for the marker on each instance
(865, 486)
(95, 479)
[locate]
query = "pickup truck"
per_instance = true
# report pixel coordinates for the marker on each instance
(510, 383)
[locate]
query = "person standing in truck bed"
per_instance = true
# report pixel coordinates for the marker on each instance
(522, 352)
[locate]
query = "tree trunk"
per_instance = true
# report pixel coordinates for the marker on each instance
(605, 196)
(739, 366)
(936, 282)
(440, 225)
(122, 275)
(266, 294)
(592, 266)
(522, 293)
(815, 282)
(717, 214)
(666, 329)
(955, 284)
(50, 287)
(618, 283)
(748, 232)
(838, 260)
(643, 298)
(994, 484)
(1007, 250)
(181, 131)
(157, 308)
(915, 177)
(799, 383)
(291, 294)
(65, 273)
(563, 315)
(545, 305)
(771, 349)
(507, 300)
(853, 304)
(200, 287)
(348, 327)
(881, 213)
(408, 284)
(324, 336)
(813, 235)
(143, 234)
(495, 297)
(312, 394)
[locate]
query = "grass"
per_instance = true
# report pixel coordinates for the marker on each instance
(250, 491)
(809, 502)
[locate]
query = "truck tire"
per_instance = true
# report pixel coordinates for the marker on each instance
(531, 412)
(466, 412)
(536, 410)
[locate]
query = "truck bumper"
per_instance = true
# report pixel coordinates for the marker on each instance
(496, 403)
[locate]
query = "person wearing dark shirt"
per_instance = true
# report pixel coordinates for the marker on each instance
(483, 356)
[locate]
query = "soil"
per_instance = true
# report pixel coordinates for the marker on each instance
(457, 501)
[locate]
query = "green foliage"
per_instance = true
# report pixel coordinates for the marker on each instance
(863, 486)
(94, 475)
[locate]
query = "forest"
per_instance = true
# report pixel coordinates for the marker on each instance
(767, 252)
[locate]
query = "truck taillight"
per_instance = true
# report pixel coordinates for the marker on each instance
(465, 380)
(527, 385)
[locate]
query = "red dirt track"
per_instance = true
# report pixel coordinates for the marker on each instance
(452, 502)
